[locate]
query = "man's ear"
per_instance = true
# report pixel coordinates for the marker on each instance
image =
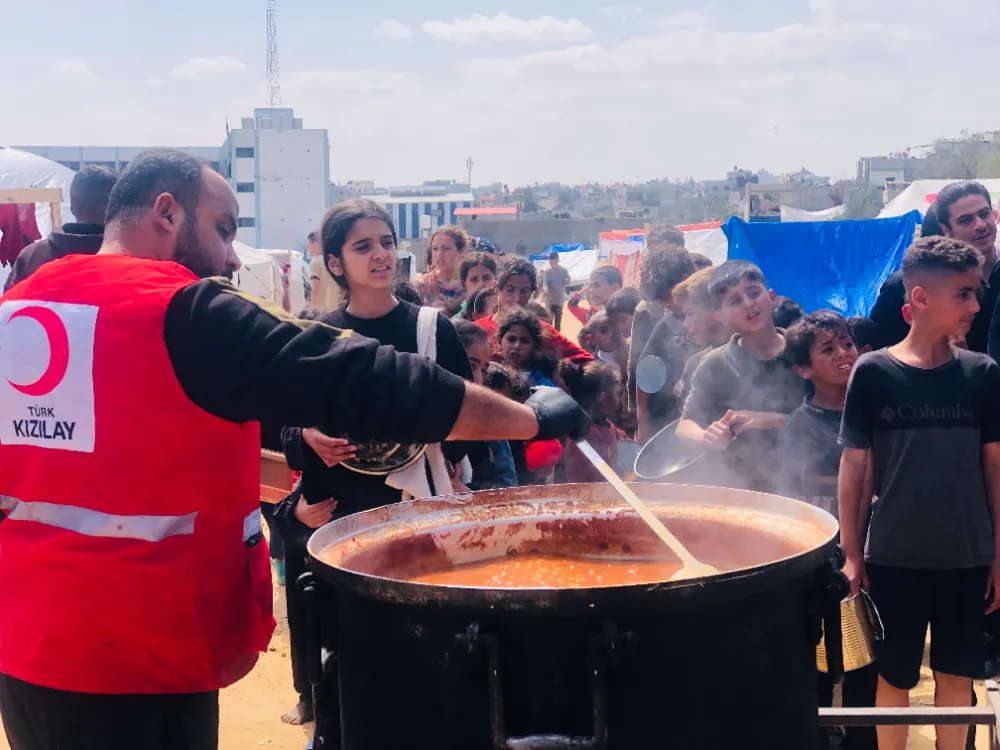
(168, 215)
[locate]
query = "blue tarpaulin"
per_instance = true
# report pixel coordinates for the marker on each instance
(836, 265)
(558, 249)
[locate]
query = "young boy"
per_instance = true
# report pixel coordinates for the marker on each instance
(602, 337)
(822, 348)
(743, 391)
(927, 415)
(700, 324)
(604, 282)
(621, 309)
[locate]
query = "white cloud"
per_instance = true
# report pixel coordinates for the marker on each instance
(505, 28)
(71, 69)
(393, 29)
(198, 65)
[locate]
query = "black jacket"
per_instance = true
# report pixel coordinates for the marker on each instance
(74, 239)
(887, 314)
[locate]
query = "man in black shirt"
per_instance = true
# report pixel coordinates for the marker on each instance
(241, 360)
(962, 210)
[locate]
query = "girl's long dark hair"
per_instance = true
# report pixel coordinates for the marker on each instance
(339, 221)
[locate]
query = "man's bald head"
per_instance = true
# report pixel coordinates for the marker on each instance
(150, 174)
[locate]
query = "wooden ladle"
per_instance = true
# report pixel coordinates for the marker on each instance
(693, 567)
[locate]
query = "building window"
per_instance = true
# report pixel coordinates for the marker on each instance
(246, 222)
(244, 153)
(402, 219)
(415, 220)
(244, 187)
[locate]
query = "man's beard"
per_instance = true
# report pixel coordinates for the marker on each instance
(192, 255)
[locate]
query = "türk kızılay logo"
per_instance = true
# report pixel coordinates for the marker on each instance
(47, 374)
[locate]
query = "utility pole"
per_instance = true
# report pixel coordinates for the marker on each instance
(468, 166)
(273, 84)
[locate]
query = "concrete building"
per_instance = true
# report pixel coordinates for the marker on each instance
(879, 170)
(279, 170)
(281, 174)
(418, 211)
(113, 157)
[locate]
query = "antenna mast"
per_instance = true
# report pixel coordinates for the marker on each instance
(273, 85)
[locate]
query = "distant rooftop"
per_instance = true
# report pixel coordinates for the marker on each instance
(487, 211)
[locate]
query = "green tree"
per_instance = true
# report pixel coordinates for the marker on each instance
(528, 203)
(990, 165)
(860, 200)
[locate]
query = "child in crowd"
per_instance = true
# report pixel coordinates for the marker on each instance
(441, 283)
(700, 323)
(604, 282)
(865, 333)
(520, 344)
(603, 338)
(926, 415)
(483, 304)
(404, 291)
(823, 351)
(786, 312)
(517, 280)
(621, 309)
(477, 272)
(492, 461)
(597, 387)
(743, 391)
(534, 461)
(660, 272)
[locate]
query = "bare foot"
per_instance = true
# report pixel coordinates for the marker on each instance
(301, 714)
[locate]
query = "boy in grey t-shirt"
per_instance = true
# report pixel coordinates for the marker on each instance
(928, 416)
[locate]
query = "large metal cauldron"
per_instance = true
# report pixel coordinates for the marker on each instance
(719, 662)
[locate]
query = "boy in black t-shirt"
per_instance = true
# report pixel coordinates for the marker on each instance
(822, 348)
(928, 415)
(743, 391)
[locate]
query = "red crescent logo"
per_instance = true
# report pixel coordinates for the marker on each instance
(55, 329)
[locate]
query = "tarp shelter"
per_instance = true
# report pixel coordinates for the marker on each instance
(922, 193)
(19, 169)
(623, 248)
(260, 273)
(788, 214)
(576, 259)
(706, 238)
(838, 265)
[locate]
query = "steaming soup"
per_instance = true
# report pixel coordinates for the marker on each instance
(551, 572)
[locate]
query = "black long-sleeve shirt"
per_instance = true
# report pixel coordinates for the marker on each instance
(887, 314)
(244, 360)
(353, 491)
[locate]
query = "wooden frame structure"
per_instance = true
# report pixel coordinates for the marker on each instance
(52, 196)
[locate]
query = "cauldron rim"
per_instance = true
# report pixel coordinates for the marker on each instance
(585, 601)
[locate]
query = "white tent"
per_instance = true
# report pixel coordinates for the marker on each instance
(921, 193)
(790, 214)
(19, 169)
(260, 274)
(579, 263)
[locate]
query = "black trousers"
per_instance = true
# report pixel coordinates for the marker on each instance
(557, 311)
(296, 563)
(38, 718)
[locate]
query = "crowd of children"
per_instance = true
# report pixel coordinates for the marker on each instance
(901, 444)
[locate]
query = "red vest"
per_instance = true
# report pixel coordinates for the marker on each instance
(132, 560)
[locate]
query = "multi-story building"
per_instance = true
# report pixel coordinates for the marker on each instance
(281, 173)
(279, 170)
(418, 211)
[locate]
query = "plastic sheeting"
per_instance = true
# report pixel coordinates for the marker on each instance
(19, 169)
(922, 193)
(838, 265)
(788, 213)
(579, 263)
(561, 249)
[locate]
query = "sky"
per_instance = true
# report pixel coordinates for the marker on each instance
(532, 90)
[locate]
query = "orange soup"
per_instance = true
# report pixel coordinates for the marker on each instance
(551, 572)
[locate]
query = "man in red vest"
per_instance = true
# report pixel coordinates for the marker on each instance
(133, 581)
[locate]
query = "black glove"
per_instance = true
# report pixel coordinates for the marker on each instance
(558, 414)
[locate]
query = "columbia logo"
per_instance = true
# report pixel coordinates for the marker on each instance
(888, 414)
